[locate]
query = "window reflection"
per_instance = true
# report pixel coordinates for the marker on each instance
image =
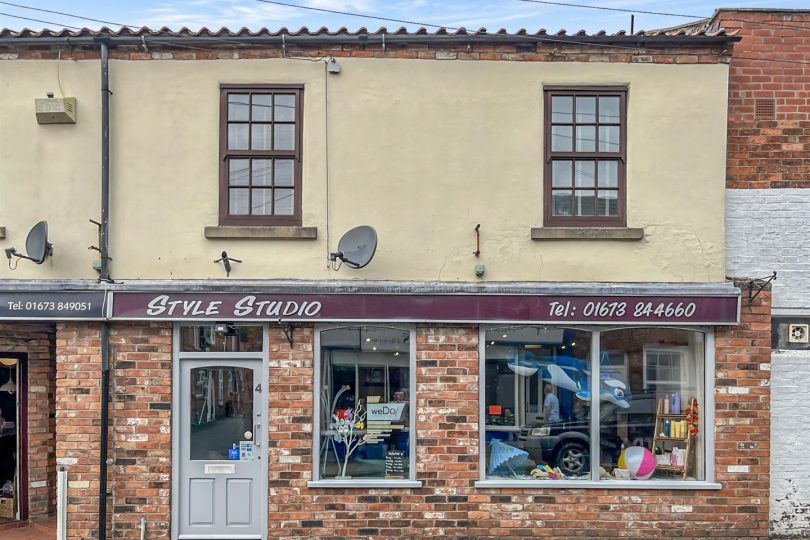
(221, 338)
(664, 371)
(537, 403)
(221, 410)
(365, 403)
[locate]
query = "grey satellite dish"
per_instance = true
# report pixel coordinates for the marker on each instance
(357, 247)
(37, 246)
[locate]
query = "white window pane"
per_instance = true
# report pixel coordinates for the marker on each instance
(238, 172)
(609, 139)
(262, 202)
(585, 174)
(562, 138)
(238, 106)
(284, 137)
(586, 138)
(262, 172)
(283, 175)
(561, 171)
(562, 109)
(261, 134)
(609, 174)
(586, 110)
(262, 109)
(238, 136)
(238, 201)
(609, 110)
(284, 108)
(284, 199)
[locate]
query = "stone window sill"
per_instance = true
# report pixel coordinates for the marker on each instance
(587, 233)
(261, 232)
(360, 483)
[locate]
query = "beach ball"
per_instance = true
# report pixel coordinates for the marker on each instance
(639, 461)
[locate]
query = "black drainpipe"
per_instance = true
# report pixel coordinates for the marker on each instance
(105, 276)
(105, 419)
(105, 164)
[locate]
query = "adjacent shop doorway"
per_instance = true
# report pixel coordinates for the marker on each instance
(13, 437)
(220, 434)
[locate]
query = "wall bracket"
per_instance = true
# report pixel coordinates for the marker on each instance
(289, 331)
(759, 284)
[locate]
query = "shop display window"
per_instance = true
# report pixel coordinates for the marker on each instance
(541, 422)
(366, 401)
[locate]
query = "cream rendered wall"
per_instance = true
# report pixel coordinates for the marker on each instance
(423, 150)
(50, 172)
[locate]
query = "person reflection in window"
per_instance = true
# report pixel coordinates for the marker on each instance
(580, 412)
(551, 405)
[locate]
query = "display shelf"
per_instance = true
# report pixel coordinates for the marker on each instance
(663, 441)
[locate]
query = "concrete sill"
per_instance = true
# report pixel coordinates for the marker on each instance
(261, 233)
(364, 483)
(587, 233)
(604, 484)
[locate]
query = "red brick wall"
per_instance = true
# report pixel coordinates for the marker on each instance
(37, 341)
(447, 451)
(769, 153)
(448, 504)
(141, 441)
(524, 51)
(78, 420)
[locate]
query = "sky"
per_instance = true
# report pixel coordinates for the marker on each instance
(254, 14)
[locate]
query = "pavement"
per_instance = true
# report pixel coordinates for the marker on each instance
(41, 530)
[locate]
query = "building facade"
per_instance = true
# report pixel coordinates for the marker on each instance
(541, 223)
(767, 212)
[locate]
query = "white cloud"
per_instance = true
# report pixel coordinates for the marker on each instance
(364, 6)
(233, 14)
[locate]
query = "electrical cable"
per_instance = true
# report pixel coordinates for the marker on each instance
(62, 13)
(565, 4)
(326, 153)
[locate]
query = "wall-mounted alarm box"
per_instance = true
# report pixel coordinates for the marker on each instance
(53, 110)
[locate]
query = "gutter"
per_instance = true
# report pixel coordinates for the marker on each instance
(645, 41)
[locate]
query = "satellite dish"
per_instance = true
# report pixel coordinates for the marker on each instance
(37, 246)
(357, 247)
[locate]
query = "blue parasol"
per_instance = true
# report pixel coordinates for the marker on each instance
(501, 454)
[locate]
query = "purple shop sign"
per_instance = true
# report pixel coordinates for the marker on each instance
(716, 310)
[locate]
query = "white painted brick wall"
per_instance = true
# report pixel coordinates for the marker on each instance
(767, 230)
(790, 444)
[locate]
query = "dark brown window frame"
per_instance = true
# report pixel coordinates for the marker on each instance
(620, 220)
(225, 218)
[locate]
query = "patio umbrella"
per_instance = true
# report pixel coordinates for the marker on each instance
(501, 454)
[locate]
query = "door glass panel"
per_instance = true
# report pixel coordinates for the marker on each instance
(221, 411)
(221, 338)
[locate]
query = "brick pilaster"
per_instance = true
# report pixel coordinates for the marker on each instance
(78, 420)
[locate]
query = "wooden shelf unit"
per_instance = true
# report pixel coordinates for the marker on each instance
(660, 440)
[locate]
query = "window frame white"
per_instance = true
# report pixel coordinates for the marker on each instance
(681, 350)
(707, 420)
(317, 481)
